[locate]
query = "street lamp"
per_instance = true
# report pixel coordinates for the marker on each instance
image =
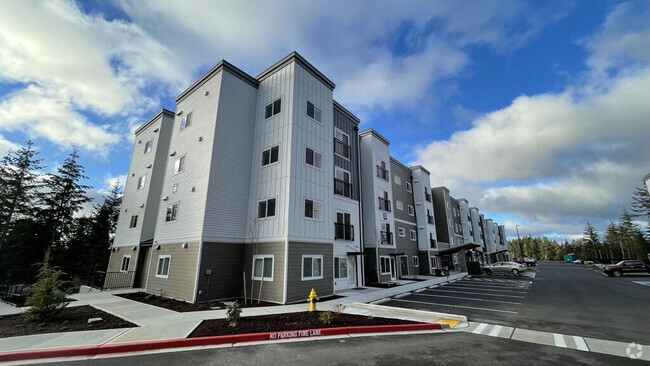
(521, 247)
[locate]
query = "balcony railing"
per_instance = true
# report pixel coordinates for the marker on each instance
(118, 279)
(432, 243)
(430, 219)
(427, 196)
(342, 188)
(384, 204)
(382, 173)
(341, 148)
(343, 231)
(386, 237)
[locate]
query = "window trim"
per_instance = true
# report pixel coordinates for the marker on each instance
(387, 265)
(302, 267)
(144, 182)
(315, 108)
(133, 223)
(409, 187)
(270, 150)
(173, 218)
(149, 144)
(314, 202)
(263, 257)
(273, 112)
(399, 205)
(169, 264)
(267, 208)
(411, 210)
(348, 144)
(128, 263)
(180, 158)
(401, 231)
(337, 268)
(416, 261)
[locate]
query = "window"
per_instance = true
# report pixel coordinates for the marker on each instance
(270, 156)
(399, 205)
(125, 263)
(312, 267)
(341, 144)
(416, 261)
(141, 181)
(385, 265)
(413, 236)
(342, 185)
(272, 108)
(384, 202)
(314, 112)
(343, 230)
(340, 267)
(397, 180)
(263, 267)
(401, 231)
(266, 208)
(186, 121)
(411, 211)
(386, 235)
(163, 266)
(409, 188)
(432, 241)
(382, 172)
(134, 221)
(313, 158)
(179, 165)
(313, 209)
(148, 146)
(172, 211)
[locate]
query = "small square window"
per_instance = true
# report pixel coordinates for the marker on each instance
(162, 269)
(401, 231)
(172, 212)
(399, 205)
(411, 211)
(266, 208)
(179, 165)
(314, 112)
(313, 158)
(270, 156)
(397, 180)
(125, 263)
(413, 235)
(312, 267)
(186, 121)
(134, 221)
(313, 209)
(141, 181)
(272, 108)
(148, 146)
(409, 188)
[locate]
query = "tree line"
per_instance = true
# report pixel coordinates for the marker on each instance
(621, 240)
(41, 212)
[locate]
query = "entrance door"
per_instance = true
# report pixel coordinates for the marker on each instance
(404, 264)
(393, 269)
(142, 267)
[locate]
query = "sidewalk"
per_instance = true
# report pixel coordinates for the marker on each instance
(161, 324)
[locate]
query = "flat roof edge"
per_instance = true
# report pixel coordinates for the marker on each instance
(371, 131)
(343, 110)
(155, 117)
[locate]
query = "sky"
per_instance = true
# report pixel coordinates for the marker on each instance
(536, 112)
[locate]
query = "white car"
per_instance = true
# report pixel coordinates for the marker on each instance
(579, 261)
(505, 267)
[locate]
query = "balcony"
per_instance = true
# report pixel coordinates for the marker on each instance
(384, 204)
(342, 188)
(427, 196)
(382, 173)
(343, 231)
(430, 219)
(341, 148)
(386, 237)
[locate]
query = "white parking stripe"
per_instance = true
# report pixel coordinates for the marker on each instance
(495, 331)
(580, 343)
(472, 299)
(481, 327)
(478, 293)
(559, 340)
(457, 306)
(464, 287)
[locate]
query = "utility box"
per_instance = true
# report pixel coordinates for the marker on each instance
(474, 268)
(569, 258)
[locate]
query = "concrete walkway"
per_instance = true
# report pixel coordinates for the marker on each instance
(156, 323)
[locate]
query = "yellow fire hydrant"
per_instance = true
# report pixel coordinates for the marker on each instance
(312, 299)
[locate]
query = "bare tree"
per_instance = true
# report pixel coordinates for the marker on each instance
(253, 233)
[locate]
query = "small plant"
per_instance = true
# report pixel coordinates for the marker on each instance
(161, 292)
(47, 298)
(326, 317)
(233, 313)
(338, 309)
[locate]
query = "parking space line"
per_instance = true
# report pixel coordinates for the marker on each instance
(481, 327)
(580, 343)
(495, 331)
(485, 289)
(475, 293)
(491, 284)
(559, 340)
(457, 306)
(472, 299)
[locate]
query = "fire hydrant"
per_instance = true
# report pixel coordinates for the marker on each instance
(312, 299)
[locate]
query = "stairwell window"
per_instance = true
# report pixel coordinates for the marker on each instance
(313, 209)
(263, 267)
(125, 263)
(401, 231)
(266, 208)
(148, 146)
(141, 181)
(409, 188)
(186, 121)
(385, 265)
(134, 221)
(413, 235)
(313, 158)
(314, 112)
(270, 156)
(172, 211)
(416, 261)
(411, 211)
(179, 165)
(312, 267)
(272, 108)
(162, 270)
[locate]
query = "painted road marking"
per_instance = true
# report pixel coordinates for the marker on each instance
(470, 298)
(644, 283)
(464, 287)
(580, 343)
(451, 322)
(559, 340)
(474, 293)
(458, 306)
(481, 327)
(495, 331)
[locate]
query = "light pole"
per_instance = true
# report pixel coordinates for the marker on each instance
(521, 247)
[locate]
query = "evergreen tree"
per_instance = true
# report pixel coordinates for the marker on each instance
(592, 238)
(47, 298)
(641, 203)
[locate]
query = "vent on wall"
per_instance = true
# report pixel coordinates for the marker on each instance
(179, 113)
(156, 130)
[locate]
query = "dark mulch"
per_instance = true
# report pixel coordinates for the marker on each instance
(182, 306)
(284, 322)
(69, 320)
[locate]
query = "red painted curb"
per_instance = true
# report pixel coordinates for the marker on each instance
(208, 341)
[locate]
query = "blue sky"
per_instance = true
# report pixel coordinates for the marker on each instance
(536, 112)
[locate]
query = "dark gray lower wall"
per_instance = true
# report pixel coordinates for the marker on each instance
(226, 263)
(371, 265)
(299, 289)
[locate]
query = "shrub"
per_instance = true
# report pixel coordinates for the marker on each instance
(326, 317)
(233, 313)
(47, 298)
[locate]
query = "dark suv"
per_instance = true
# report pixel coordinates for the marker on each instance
(626, 266)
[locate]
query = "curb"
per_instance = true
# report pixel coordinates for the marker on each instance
(105, 349)
(460, 318)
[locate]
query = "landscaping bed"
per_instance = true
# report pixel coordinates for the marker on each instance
(69, 320)
(286, 322)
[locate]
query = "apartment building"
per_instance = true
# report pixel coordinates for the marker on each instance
(476, 219)
(449, 229)
(425, 217)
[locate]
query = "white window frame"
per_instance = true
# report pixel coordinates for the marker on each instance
(132, 224)
(413, 235)
(317, 112)
(409, 187)
(384, 264)
(174, 216)
(416, 261)
(179, 164)
(186, 122)
(314, 160)
(273, 111)
(169, 264)
(337, 267)
(263, 257)
(142, 182)
(348, 137)
(317, 207)
(128, 263)
(302, 267)
(399, 205)
(266, 216)
(270, 150)
(401, 231)
(411, 210)
(148, 146)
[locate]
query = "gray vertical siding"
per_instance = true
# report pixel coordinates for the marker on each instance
(226, 261)
(349, 127)
(297, 289)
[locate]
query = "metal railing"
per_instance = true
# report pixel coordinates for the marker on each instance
(386, 237)
(343, 231)
(341, 148)
(118, 279)
(427, 196)
(384, 204)
(342, 188)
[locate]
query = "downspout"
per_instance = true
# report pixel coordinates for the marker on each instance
(361, 244)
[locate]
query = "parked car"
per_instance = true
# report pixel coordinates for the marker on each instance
(529, 262)
(505, 267)
(579, 261)
(627, 266)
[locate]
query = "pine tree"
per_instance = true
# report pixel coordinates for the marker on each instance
(592, 237)
(47, 298)
(641, 203)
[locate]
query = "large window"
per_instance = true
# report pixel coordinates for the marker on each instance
(340, 267)
(179, 165)
(270, 156)
(272, 108)
(343, 230)
(314, 112)
(263, 267)
(411, 210)
(172, 211)
(384, 202)
(409, 188)
(385, 265)
(148, 146)
(313, 158)
(125, 263)
(266, 208)
(382, 172)
(141, 181)
(342, 185)
(313, 209)
(312, 267)
(341, 144)
(163, 266)
(134, 221)
(186, 121)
